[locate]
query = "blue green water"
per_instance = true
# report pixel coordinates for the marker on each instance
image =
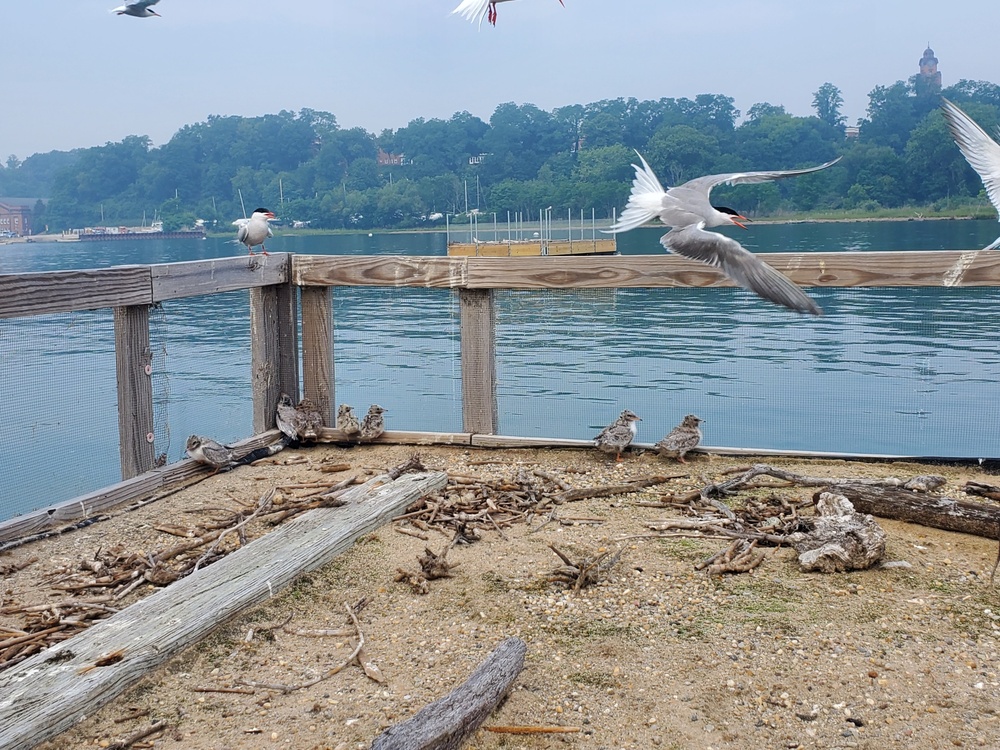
(885, 371)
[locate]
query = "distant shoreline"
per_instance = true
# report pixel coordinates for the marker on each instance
(555, 224)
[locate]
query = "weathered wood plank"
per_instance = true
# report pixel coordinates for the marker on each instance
(509, 441)
(448, 722)
(946, 268)
(133, 365)
(265, 353)
(106, 498)
(191, 278)
(378, 270)
(317, 350)
(23, 294)
(288, 339)
(49, 692)
(399, 437)
(479, 370)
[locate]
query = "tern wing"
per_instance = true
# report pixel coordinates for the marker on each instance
(244, 229)
(708, 182)
(141, 4)
(470, 10)
(981, 151)
(740, 265)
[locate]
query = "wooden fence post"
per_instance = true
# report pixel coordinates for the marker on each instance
(134, 366)
(479, 377)
(317, 350)
(273, 351)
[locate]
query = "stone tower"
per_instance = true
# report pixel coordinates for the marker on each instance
(928, 81)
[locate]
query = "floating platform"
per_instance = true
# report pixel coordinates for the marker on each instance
(532, 248)
(119, 235)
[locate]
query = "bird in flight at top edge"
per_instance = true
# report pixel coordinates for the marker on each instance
(137, 8)
(480, 9)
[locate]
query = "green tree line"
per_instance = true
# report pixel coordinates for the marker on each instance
(307, 168)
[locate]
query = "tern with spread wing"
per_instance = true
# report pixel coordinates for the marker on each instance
(687, 209)
(255, 230)
(137, 8)
(981, 151)
(473, 9)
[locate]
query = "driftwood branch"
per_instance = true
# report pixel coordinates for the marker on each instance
(935, 511)
(446, 723)
(583, 493)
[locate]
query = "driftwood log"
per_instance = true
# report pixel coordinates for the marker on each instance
(52, 690)
(448, 722)
(842, 539)
(935, 511)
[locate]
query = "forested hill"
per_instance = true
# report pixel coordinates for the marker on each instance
(575, 157)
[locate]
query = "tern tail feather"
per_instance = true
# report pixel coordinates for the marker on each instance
(645, 202)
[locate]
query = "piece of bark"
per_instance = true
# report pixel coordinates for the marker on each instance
(448, 722)
(935, 511)
(842, 540)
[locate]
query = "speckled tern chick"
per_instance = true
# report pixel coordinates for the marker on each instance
(618, 435)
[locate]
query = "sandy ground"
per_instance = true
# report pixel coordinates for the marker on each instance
(657, 656)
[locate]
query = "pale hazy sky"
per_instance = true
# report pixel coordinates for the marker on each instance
(77, 75)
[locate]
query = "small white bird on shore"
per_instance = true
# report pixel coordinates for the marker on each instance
(473, 9)
(137, 8)
(981, 151)
(255, 230)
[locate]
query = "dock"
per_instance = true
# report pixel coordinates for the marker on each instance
(519, 239)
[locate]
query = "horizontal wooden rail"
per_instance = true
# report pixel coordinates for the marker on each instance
(875, 269)
(24, 294)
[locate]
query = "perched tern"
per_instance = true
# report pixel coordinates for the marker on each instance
(255, 230)
(981, 151)
(473, 9)
(688, 210)
(137, 8)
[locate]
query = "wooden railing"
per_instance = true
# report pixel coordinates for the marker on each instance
(131, 290)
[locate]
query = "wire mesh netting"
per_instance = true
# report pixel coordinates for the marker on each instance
(61, 410)
(907, 371)
(399, 348)
(60, 434)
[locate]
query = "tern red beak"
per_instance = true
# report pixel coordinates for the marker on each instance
(738, 218)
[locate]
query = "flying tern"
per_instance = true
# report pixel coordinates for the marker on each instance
(687, 209)
(137, 8)
(255, 230)
(473, 9)
(981, 151)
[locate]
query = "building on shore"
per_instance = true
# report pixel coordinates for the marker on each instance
(15, 216)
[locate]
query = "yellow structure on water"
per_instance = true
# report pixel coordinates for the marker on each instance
(485, 240)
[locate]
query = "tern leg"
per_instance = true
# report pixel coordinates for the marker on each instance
(491, 14)
(263, 249)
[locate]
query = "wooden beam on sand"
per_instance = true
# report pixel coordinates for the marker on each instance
(132, 490)
(448, 722)
(48, 693)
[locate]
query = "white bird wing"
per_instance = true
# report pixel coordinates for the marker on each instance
(244, 229)
(708, 182)
(142, 3)
(240, 222)
(981, 151)
(470, 10)
(740, 265)
(645, 201)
